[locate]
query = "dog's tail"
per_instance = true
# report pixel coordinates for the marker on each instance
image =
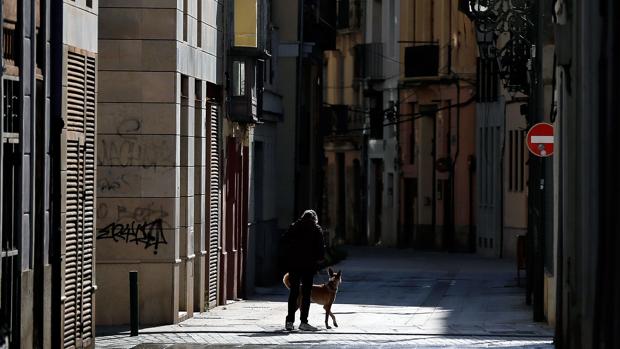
(286, 282)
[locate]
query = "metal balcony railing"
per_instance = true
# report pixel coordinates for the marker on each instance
(9, 42)
(341, 120)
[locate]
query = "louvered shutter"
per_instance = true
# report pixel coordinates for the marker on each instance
(214, 204)
(79, 198)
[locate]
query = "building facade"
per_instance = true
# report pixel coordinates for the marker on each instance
(159, 158)
(585, 172)
(343, 120)
(49, 88)
(515, 197)
(264, 234)
(305, 30)
(248, 47)
(361, 148)
(436, 126)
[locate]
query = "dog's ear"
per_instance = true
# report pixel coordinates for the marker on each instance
(330, 272)
(339, 273)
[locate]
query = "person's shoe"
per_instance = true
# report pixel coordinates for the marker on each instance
(307, 327)
(289, 326)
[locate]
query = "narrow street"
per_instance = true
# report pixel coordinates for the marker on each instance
(388, 298)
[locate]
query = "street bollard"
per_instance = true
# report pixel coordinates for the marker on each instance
(134, 313)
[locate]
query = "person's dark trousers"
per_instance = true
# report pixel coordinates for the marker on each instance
(306, 279)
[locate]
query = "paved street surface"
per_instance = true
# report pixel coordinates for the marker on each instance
(389, 298)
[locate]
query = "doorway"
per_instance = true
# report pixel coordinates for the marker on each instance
(407, 233)
(377, 165)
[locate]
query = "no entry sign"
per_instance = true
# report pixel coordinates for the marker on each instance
(540, 139)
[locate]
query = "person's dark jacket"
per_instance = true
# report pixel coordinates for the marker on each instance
(302, 246)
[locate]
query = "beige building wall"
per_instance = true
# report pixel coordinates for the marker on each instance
(440, 22)
(156, 59)
(340, 85)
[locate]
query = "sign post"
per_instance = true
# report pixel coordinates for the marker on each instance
(540, 140)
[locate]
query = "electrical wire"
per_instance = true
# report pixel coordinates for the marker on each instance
(415, 116)
(402, 100)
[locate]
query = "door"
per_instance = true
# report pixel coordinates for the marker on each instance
(378, 176)
(410, 193)
(490, 138)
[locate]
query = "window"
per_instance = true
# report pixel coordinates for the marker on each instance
(488, 80)
(259, 163)
(442, 189)
(238, 78)
(392, 23)
(343, 14)
(422, 60)
(390, 190)
(376, 21)
(185, 18)
(412, 142)
(199, 20)
(516, 160)
(184, 89)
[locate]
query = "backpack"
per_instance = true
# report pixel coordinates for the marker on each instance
(287, 248)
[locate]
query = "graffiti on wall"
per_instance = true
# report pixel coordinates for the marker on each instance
(148, 234)
(141, 225)
(111, 183)
(132, 151)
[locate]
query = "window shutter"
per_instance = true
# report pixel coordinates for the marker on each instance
(214, 204)
(79, 199)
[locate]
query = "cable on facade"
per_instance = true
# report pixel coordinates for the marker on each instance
(415, 116)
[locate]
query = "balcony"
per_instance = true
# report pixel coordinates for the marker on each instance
(10, 43)
(243, 92)
(342, 121)
(369, 61)
(422, 61)
(250, 28)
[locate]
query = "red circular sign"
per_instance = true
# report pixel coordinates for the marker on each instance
(540, 139)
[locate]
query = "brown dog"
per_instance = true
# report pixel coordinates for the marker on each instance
(324, 294)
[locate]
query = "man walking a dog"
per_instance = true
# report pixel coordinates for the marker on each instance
(304, 250)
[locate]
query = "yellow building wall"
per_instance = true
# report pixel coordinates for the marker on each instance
(340, 84)
(427, 21)
(245, 18)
